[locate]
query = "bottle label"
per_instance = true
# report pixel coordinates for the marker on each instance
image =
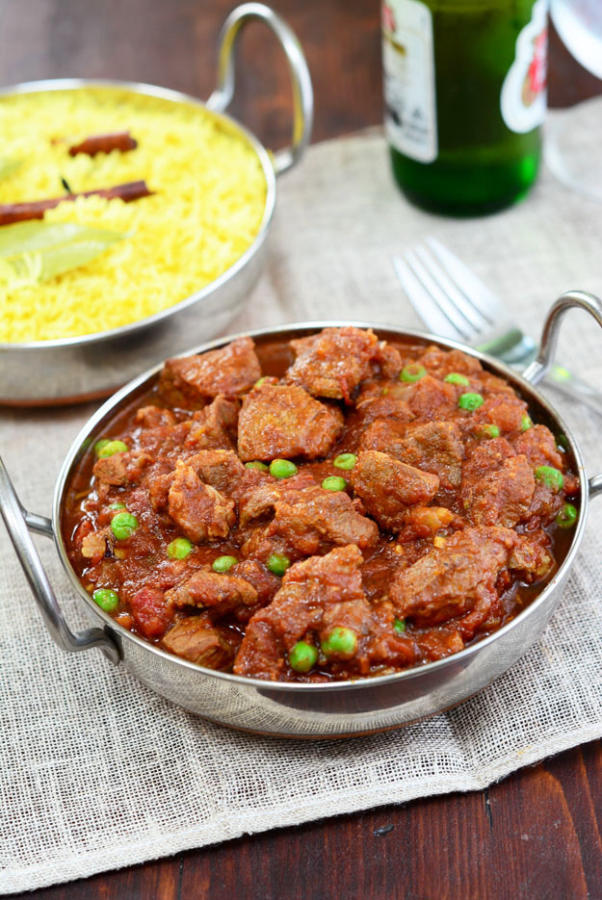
(523, 97)
(409, 79)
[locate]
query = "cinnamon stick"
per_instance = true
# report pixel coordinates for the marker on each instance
(104, 143)
(21, 212)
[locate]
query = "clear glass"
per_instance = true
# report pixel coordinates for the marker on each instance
(570, 151)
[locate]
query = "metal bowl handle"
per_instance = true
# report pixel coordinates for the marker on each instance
(303, 98)
(18, 523)
(549, 340)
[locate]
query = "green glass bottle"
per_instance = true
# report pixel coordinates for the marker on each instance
(464, 84)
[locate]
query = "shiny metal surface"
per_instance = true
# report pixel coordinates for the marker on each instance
(303, 100)
(18, 522)
(94, 365)
(334, 709)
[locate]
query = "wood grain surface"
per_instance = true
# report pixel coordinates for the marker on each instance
(535, 835)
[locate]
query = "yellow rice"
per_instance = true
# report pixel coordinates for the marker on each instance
(207, 209)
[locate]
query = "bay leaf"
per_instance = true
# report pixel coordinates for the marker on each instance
(38, 250)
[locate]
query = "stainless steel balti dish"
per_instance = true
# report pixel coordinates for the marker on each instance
(334, 709)
(94, 365)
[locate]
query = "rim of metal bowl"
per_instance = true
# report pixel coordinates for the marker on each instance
(359, 683)
(151, 90)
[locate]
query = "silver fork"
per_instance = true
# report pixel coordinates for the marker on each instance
(453, 302)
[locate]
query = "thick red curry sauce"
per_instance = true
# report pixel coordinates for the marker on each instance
(333, 507)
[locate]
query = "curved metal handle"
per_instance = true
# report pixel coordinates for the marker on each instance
(542, 364)
(18, 521)
(303, 98)
(551, 329)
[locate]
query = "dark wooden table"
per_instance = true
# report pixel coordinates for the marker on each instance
(533, 836)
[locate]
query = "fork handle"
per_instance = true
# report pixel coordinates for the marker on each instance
(543, 368)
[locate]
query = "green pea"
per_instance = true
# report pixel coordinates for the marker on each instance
(256, 464)
(550, 476)
(110, 448)
(526, 422)
(341, 642)
(179, 548)
(223, 563)
(470, 401)
(457, 378)
(399, 625)
(567, 516)
(123, 525)
(302, 657)
(345, 460)
(334, 483)
(282, 468)
(278, 564)
(117, 506)
(412, 372)
(490, 431)
(260, 381)
(100, 444)
(106, 599)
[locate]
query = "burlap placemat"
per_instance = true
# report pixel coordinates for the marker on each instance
(97, 772)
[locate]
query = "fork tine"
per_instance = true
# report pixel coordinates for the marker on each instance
(474, 290)
(426, 307)
(459, 302)
(438, 294)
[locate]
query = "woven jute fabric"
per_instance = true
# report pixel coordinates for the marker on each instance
(97, 771)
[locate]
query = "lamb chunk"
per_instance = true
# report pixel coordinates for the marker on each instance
(334, 362)
(532, 556)
(440, 643)
(122, 468)
(259, 577)
(390, 408)
(195, 638)
(219, 468)
(201, 512)
(430, 398)
(383, 403)
(316, 596)
(546, 503)
(213, 427)
(230, 370)
(539, 446)
(493, 384)
(387, 487)
(260, 500)
(284, 421)
(435, 447)
(150, 612)
(389, 360)
(439, 362)
(383, 435)
(222, 594)
(387, 647)
(506, 410)
(308, 521)
(484, 458)
(457, 579)
(164, 441)
(154, 416)
(158, 486)
(502, 497)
